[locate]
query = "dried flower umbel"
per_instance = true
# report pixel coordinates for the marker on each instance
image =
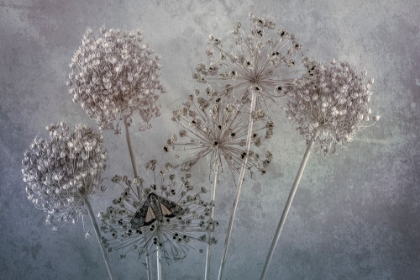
(170, 233)
(332, 101)
(261, 61)
(61, 171)
(115, 75)
(218, 129)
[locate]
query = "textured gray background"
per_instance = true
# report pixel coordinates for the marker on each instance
(355, 216)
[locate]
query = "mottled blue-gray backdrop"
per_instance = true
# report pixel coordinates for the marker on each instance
(355, 215)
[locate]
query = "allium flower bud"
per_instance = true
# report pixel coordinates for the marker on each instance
(115, 75)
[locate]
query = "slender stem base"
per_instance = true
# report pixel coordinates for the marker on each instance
(99, 238)
(130, 150)
(238, 191)
(288, 205)
(149, 267)
(208, 256)
(158, 264)
(133, 164)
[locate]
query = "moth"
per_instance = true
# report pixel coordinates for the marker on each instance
(155, 208)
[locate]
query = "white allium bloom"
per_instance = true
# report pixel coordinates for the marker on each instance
(261, 61)
(60, 171)
(331, 100)
(139, 222)
(218, 129)
(115, 75)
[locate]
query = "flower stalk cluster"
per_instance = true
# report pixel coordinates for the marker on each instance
(115, 75)
(61, 171)
(174, 225)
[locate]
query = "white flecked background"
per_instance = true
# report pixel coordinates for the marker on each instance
(355, 215)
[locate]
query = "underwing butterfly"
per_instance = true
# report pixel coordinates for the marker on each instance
(155, 208)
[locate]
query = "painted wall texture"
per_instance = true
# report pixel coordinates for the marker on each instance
(355, 215)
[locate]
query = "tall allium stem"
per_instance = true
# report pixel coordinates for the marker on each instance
(130, 150)
(158, 264)
(213, 197)
(133, 163)
(98, 236)
(288, 204)
(240, 181)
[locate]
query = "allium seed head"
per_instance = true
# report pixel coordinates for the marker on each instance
(260, 61)
(217, 129)
(331, 101)
(61, 171)
(180, 215)
(114, 75)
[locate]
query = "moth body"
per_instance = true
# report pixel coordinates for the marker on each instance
(155, 208)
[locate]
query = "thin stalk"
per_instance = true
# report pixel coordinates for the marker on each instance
(288, 205)
(130, 150)
(213, 197)
(238, 191)
(149, 267)
(133, 164)
(98, 237)
(158, 264)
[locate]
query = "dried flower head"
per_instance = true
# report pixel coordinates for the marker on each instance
(260, 61)
(218, 129)
(61, 171)
(167, 213)
(115, 75)
(332, 101)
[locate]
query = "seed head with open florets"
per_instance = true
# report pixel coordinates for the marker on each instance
(262, 61)
(333, 101)
(215, 128)
(61, 171)
(115, 75)
(167, 213)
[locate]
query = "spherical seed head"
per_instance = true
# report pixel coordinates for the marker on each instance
(260, 61)
(331, 100)
(216, 129)
(61, 170)
(185, 216)
(115, 75)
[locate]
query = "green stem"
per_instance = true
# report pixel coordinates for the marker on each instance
(99, 238)
(288, 205)
(238, 191)
(213, 197)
